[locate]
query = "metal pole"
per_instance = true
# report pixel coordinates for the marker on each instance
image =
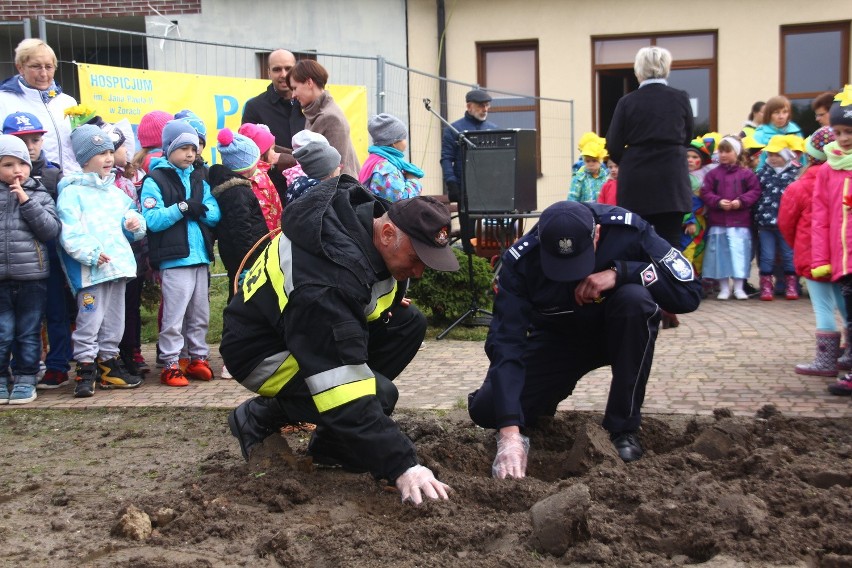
(572, 133)
(380, 84)
(42, 29)
(28, 33)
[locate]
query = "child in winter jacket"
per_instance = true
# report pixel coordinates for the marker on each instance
(729, 190)
(181, 213)
(831, 226)
(779, 171)
(586, 183)
(318, 159)
(386, 172)
(98, 223)
(29, 220)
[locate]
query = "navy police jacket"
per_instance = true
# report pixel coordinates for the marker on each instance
(526, 299)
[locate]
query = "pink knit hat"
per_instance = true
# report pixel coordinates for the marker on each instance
(260, 134)
(150, 131)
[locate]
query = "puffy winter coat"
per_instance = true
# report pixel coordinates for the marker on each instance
(794, 220)
(15, 97)
(729, 182)
(24, 229)
(831, 222)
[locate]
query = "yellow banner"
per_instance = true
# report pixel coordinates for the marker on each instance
(118, 93)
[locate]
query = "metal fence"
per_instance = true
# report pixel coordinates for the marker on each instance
(391, 88)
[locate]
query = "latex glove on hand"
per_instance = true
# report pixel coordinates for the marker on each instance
(417, 479)
(511, 460)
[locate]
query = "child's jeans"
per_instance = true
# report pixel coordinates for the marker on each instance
(21, 311)
(771, 242)
(58, 320)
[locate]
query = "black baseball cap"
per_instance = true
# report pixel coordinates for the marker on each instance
(566, 234)
(477, 96)
(426, 221)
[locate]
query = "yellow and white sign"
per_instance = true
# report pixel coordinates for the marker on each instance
(118, 93)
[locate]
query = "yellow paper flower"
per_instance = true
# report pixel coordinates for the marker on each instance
(80, 114)
(845, 96)
(51, 93)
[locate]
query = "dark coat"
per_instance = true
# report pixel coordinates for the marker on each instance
(648, 136)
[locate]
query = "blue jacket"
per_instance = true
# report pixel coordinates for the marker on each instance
(92, 211)
(161, 217)
(527, 299)
(450, 149)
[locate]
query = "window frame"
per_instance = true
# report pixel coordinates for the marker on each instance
(841, 26)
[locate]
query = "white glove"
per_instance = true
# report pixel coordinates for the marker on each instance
(511, 460)
(416, 478)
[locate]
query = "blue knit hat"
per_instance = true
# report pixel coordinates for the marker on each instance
(87, 141)
(239, 153)
(195, 122)
(178, 133)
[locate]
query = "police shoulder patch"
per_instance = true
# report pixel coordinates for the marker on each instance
(149, 203)
(679, 266)
(520, 248)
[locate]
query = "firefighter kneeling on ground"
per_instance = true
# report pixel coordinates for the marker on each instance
(320, 327)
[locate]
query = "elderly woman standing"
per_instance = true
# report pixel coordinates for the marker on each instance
(33, 90)
(322, 115)
(648, 137)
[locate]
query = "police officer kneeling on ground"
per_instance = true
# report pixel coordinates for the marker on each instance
(583, 289)
(320, 328)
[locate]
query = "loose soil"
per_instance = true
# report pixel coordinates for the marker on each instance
(168, 487)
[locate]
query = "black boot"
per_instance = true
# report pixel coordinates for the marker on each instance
(114, 375)
(87, 374)
(255, 420)
(126, 356)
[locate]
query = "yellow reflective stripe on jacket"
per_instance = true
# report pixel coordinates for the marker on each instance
(339, 396)
(272, 374)
(382, 297)
(274, 266)
(340, 385)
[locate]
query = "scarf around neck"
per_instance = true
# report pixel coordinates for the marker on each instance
(837, 158)
(396, 158)
(47, 94)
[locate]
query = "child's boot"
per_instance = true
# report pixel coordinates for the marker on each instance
(86, 376)
(843, 386)
(115, 376)
(766, 287)
(126, 356)
(825, 362)
(791, 291)
(844, 362)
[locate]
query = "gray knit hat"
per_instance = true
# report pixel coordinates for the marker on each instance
(317, 158)
(385, 129)
(88, 140)
(14, 146)
(178, 133)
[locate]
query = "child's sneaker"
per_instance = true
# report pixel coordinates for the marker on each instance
(22, 394)
(4, 393)
(114, 375)
(183, 363)
(172, 376)
(42, 369)
(740, 294)
(53, 379)
(86, 376)
(843, 386)
(226, 374)
(140, 361)
(199, 369)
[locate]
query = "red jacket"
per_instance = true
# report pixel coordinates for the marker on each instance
(794, 220)
(608, 192)
(831, 221)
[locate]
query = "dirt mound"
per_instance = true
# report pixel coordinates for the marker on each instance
(168, 487)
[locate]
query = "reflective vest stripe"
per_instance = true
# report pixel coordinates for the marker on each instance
(272, 374)
(273, 269)
(338, 376)
(343, 394)
(383, 294)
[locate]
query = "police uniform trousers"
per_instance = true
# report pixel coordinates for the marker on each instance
(620, 331)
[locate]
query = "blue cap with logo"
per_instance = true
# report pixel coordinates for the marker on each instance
(19, 123)
(566, 234)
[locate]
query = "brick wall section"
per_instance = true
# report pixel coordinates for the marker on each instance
(13, 10)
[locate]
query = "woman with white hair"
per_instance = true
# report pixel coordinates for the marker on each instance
(33, 90)
(648, 137)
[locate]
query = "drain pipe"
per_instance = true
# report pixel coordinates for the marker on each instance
(442, 61)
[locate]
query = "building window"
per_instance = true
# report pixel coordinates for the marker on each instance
(814, 59)
(693, 71)
(512, 67)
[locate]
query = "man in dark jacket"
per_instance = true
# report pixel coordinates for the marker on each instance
(478, 103)
(320, 327)
(280, 112)
(581, 290)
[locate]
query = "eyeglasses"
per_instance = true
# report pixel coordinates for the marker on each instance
(48, 68)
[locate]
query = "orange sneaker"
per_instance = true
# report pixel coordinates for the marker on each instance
(199, 369)
(183, 363)
(172, 376)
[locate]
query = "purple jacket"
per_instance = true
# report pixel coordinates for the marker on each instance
(729, 182)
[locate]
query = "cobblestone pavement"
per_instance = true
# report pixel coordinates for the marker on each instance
(733, 354)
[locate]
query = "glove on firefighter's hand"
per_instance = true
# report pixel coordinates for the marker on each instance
(511, 460)
(417, 478)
